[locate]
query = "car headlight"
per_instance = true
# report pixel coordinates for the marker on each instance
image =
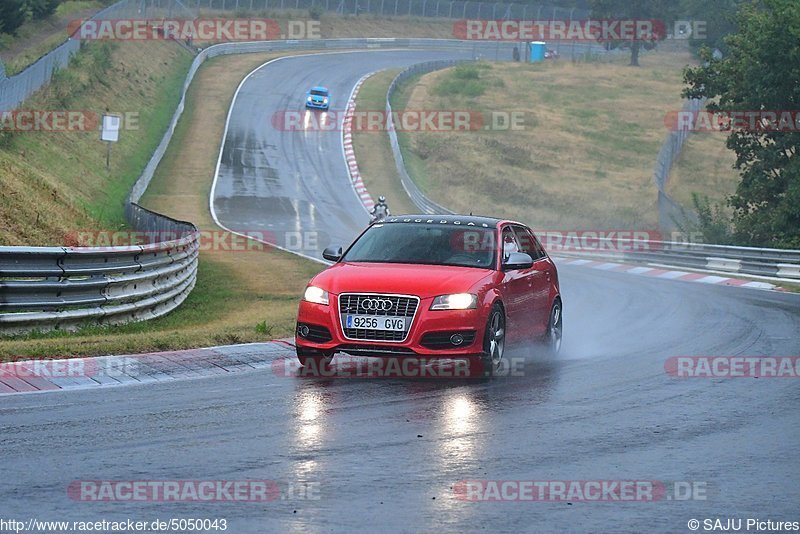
(309, 99)
(325, 100)
(458, 301)
(316, 295)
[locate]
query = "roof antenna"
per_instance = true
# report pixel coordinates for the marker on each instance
(470, 214)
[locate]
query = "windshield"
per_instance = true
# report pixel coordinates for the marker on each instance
(317, 92)
(430, 244)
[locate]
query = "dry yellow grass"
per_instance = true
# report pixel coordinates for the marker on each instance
(372, 149)
(586, 155)
(181, 188)
(705, 166)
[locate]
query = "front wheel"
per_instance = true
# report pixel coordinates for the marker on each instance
(494, 341)
(314, 362)
(554, 329)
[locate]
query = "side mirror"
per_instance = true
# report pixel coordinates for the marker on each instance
(517, 260)
(332, 253)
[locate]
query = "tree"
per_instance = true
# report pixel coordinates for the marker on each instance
(40, 9)
(659, 10)
(12, 15)
(761, 72)
(719, 18)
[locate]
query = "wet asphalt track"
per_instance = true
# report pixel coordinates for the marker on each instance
(386, 453)
(283, 183)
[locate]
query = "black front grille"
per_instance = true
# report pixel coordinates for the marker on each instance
(316, 333)
(441, 340)
(400, 306)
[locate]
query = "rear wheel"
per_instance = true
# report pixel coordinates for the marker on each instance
(554, 329)
(494, 341)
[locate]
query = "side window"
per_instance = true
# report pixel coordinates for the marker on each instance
(537, 245)
(528, 243)
(509, 242)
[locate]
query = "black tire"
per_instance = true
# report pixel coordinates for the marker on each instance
(494, 341)
(314, 362)
(555, 329)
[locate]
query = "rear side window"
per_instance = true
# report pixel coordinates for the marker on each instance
(528, 243)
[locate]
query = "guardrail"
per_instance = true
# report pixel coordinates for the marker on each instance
(766, 262)
(62, 288)
(425, 204)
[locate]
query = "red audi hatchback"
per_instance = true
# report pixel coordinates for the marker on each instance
(424, 286)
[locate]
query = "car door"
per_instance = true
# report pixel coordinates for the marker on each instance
(515, 289)
(545, 275)
(535, 301)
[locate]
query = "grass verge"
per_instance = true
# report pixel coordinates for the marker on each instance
(36, 38)
(585, 155)
(374, 155)
(53, 183)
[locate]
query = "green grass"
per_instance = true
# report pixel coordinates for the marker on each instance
(57, 182)
(44, 35)
(414, 163)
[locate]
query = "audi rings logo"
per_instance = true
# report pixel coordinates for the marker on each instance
(376, 304)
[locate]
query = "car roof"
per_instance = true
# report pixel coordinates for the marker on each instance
(319, 88)
(466, 220)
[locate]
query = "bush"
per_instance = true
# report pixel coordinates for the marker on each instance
(40, 9)
(712, 222)
(12, 15)
(465, 80)
(315, 12)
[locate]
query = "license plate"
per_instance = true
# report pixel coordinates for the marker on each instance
(372, 322)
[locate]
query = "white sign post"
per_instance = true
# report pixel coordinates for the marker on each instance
(110, 134)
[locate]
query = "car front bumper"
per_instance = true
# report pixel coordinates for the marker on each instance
(429, 336)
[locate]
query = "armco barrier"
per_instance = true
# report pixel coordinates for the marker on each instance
(768, 262)
(48, 288)
(425, 204)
